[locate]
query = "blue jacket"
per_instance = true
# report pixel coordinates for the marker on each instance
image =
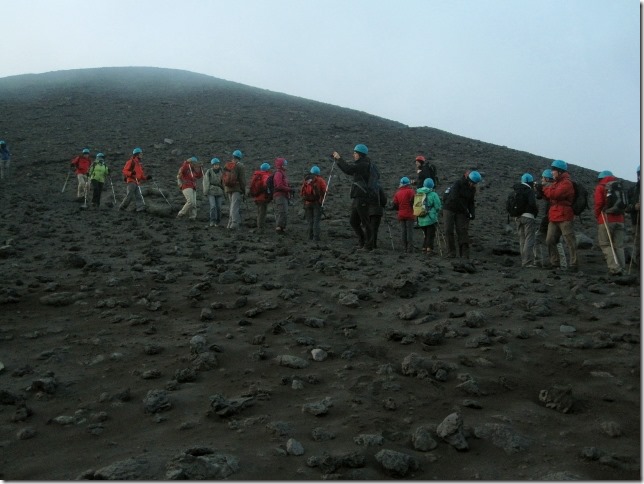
(5, 154)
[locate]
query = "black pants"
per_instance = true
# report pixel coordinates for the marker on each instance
(97, 189)
(429, 232)
(374, 220)
(359, 219)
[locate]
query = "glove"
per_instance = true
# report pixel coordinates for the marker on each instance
(149, 178)
(124, 178)
(471, 216)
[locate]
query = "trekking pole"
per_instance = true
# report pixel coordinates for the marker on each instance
(112, 185)
(157, 187)
(140, 191)
(610, 239)
(86, 190)
(635, 237)
(66, 180)
(193, 179)
(328, 183)
(391, 237)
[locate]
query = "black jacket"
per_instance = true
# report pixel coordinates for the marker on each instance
(530, 198)
(460, 198)
(426, 172)
(360, 171)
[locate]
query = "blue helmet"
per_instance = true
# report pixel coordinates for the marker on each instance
(193, 159)
(547, 173)
(404, 181)
(137, 151)
(361, 149)
(526, 178)
(215, 161)
(315, 170)
(237, 154)
(265, 166)
(428, 183)
(86, 151)
(559, 165)
(100, 155)
(3, 143)
(474, 176)
(604, 174)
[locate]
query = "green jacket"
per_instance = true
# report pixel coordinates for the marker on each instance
(433, 205)
(98, 171)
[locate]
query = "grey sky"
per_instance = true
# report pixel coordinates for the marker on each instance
(557, 78)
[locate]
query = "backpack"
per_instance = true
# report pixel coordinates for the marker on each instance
(257, 185)
(270, 186)
(515, 204)
(615, 198)
(310, 191)
(229, 175)
(580, 202)
(420, 209)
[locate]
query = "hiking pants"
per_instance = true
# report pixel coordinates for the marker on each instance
(457, 231)
(359, 219)
(313, 214)
(262, 209)
(190, 207)
(133, 192)
(407, 234)
(616, 230)
(555, 231)
(83, 185)
(526, 228)
(234, 215)
(215, 208)
(97, 189)
(429, 235)
(374, 221)
(281, 211)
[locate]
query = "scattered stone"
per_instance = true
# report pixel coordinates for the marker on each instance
(133, 469)
(290, 361)
(319, 354)
(396, 463)
(557, 397)
(224, 407)
(612, 429)
(318, 408)
(408, 312)
(369, 440)
(294, 447)
(503, 436)
(423, 440)
(156, 401)
(451, 431)
(201, 464)
(26, 433)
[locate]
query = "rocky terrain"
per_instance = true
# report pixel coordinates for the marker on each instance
(138, 346)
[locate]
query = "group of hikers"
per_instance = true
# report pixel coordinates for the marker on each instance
(563, 201)
(416, 202)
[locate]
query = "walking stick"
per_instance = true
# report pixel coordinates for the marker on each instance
(140, 191)
(635, 241)
(86, 190)
(391, 237)
(157, 187)
(610, 239)
(66, 180)
(328, 183)
(112, 185)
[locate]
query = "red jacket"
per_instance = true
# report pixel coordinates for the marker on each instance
(560, 194)
(404, 202)
(188, 175)
(133, 171)
(600, 201)
(82, 164)
(320, 185)
(281, 185)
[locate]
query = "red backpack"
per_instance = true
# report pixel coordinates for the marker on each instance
(229, 175)
(258, 184)
(310, 191)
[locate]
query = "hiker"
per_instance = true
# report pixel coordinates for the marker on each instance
(281, 194)
(312, 193)
(424, 170)
(403, 202)
(189, 172)
(214, 190)
(541, 256)
(234, 183)
(97, 174)
(134, 175)
(429, 221)
(561, 194)
(610, 225)
(5, 158)
(633, 209)
(525, 218)
(259, 191)
(360, 199)
(376, 212)
(81, 165)
(458, 211)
